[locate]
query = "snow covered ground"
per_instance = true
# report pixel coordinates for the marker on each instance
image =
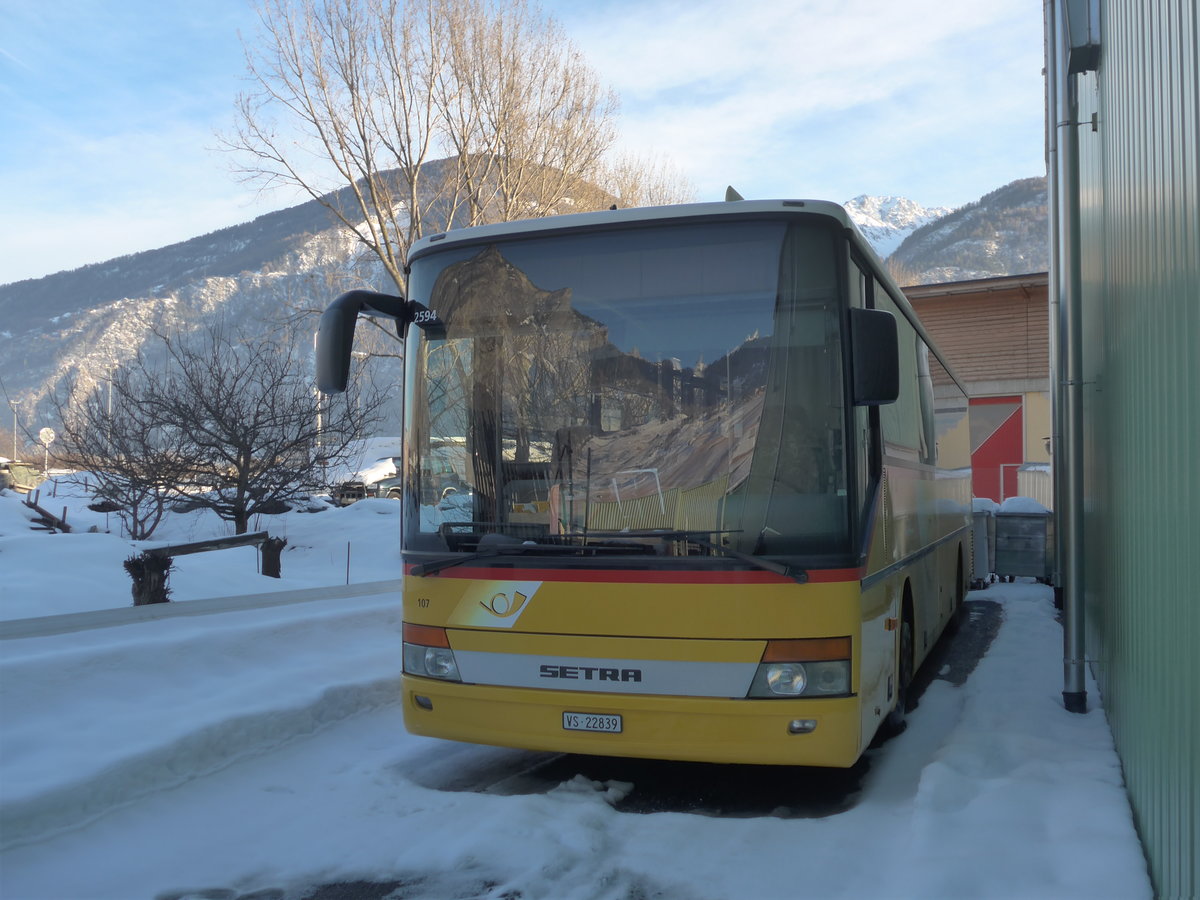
(258, 753)
(44, 574)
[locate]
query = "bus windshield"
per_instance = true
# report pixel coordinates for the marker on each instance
(670, 390)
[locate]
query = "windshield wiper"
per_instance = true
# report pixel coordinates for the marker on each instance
(800, 576)
(695, 537)
(434, 566)
(700, 538)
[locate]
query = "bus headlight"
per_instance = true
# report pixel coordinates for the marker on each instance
(803, 668)
(427, 653)
(430, 662)
(828, 677)
(787, 678)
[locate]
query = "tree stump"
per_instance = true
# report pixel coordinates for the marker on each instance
(272, 550)
(149, 574)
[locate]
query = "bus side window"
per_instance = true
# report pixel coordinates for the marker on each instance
(925, 386)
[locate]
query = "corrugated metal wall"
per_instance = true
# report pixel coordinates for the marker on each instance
(1141, 245)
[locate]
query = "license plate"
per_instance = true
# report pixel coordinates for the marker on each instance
(607, 724)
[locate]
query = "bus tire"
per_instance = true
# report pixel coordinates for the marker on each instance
(958, 613)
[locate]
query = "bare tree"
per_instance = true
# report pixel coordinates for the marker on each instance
(116, 446)
(231, 423)
(248, 423)
(635, 181)
(902, 274)
(528, 120)
(403, 116)
(326, 114)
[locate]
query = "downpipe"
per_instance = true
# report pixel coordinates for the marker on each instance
(1056, 330)
(1068, 361)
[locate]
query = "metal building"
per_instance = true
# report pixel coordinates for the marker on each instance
(1124, 115)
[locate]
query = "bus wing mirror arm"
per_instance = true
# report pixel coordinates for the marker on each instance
(335, 335)
(875, 357)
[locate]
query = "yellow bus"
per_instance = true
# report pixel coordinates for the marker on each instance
(685, 482)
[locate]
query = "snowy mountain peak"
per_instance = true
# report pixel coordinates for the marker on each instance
(887, 221)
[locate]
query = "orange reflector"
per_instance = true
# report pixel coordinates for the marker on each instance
(807, 650)
(426, 636)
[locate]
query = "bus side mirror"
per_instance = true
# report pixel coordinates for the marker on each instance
(875, 357)
(335, 335)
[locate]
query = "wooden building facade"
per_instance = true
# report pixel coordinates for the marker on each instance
(995, 333)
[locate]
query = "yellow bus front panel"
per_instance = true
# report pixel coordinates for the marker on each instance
(655, 727)
(669, 663)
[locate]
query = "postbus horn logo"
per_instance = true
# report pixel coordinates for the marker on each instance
(503, 606)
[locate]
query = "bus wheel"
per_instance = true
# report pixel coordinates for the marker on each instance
(958, 613)
(894, 723)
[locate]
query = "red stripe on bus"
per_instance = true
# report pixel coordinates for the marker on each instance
(634, 576)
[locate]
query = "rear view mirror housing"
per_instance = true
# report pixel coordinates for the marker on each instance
(875, 357)
(335, 335)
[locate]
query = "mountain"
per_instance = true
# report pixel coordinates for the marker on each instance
(1004, 233)
(85, 322)
(887, 221)
(226, 253)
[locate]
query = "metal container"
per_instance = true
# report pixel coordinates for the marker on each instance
(983, 541)
(1024, 540)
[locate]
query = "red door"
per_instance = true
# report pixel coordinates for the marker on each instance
(997, 446)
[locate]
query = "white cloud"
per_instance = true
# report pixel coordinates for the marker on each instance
(656, 47)
(761, 92)
(108, 117)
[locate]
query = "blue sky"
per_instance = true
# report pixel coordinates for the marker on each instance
(109, 111)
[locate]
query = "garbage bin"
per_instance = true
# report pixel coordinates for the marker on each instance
(1024, 540)
(983, 540)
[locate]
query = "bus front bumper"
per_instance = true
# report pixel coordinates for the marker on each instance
(653, 727)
